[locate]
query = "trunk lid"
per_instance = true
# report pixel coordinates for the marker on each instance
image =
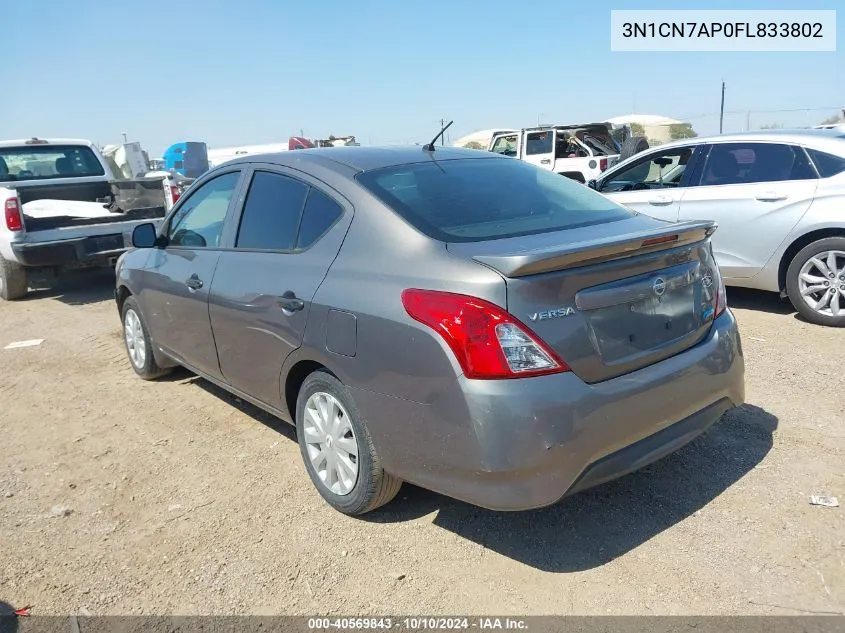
(612, 298)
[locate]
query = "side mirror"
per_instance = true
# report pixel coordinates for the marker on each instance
(145, 236)
(592, 184)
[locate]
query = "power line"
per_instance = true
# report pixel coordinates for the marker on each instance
(746, 111)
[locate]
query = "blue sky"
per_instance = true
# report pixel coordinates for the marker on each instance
(259, 71)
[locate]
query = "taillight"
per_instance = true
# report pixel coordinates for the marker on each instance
(721, 294)
(14, 219)
(602, 164)
(487, 341)
(720, 299)
(175, 193)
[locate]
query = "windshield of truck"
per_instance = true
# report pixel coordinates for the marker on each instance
(470, 200)
(40, 162)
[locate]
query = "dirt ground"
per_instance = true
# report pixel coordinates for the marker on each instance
(119, 496)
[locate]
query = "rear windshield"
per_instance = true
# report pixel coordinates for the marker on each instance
(39, 162)
(470, 200)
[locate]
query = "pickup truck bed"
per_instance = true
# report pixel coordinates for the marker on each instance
(64, 208)
(102, 241)
(90, 191)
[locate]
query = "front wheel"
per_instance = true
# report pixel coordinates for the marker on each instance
(139, 345)
(337, 450)
(815, 282)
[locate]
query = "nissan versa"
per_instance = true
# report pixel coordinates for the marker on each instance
(452, 318)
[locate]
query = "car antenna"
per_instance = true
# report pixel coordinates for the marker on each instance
(430, 146)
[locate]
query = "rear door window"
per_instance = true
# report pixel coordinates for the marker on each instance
(468, 200)
(747, 163)
(320, 214)
(271, 214)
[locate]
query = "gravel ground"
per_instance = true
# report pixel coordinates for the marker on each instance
(119, 496)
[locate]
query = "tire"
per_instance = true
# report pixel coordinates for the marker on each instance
(830, 294)
(13, 280)
(371, 487)
(144, 364)
(631, 146)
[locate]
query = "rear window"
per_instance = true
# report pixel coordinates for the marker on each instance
(39, 162)
(470, 200)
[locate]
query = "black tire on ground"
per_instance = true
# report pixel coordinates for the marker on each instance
(13, 280)
(631, 146)
(837, 283)
(148, 369)
(373, 487)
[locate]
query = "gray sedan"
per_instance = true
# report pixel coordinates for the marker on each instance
(452, 318)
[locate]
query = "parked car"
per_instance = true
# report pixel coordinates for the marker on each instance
(452, 318)
(777, 196)
(580, 152)
(64, 207)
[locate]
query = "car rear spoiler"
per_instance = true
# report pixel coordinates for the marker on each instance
(563, 256)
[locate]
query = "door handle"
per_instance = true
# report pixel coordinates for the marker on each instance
(290, 302)
(545, 161)
(660, 201)
(771, 196)
(193, 282)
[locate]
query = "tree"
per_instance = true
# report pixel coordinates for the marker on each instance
(833, 119)
(637, 129)
(771, 126)
(681, 130)
(474, 145)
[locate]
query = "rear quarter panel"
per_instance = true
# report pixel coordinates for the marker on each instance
(826, 212)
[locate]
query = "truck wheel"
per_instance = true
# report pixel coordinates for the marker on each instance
(337, 450)
(815, 282)
(139, 345)
(633, 145)
(13, 280)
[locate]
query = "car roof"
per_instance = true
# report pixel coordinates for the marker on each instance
(45, 141)
(819, 138)
(365, 158)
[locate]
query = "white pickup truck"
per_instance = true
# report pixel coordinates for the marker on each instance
(64, 208)
(580, 152)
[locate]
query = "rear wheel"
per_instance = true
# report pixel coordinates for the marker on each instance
(139, 345)
(815, 282)
(13, 280)
(337, 450)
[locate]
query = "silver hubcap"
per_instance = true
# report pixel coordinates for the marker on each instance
(822, 283)
(330, 442)
(134, 335)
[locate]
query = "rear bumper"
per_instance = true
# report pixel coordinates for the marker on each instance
(523, 444)
(84, 251)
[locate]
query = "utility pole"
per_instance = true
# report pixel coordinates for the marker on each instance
(748, 121)
(722, 111)
(124, 138)
(442, 136)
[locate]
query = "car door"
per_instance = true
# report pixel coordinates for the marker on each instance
(539, 148)
(757, 192)
(655, 183)
(288, 233)
(178, 276)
